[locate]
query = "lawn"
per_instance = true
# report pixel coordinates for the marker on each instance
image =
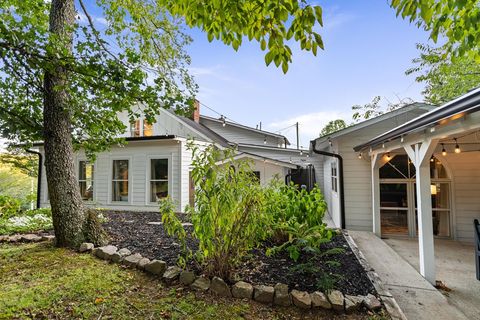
(43, 282)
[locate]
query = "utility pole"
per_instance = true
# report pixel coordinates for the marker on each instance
(260, 125)
(298, 139)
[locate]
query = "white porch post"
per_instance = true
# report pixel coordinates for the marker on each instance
(376, 159)
(420, 156)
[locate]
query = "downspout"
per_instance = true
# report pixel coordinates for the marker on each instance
(340, 179)
(39, 177)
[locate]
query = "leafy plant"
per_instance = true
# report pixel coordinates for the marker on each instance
(9, 206)
(297, 219)
(228, 216)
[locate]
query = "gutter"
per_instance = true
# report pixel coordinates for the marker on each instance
(39, 176)
(340, 179)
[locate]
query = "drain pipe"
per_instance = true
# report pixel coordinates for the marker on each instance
(340, 179)
(39, 177)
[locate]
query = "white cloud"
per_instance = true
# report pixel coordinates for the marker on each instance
(310, 125)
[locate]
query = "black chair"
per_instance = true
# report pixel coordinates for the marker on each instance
(476, 226)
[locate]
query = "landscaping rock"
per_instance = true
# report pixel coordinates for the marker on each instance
(142, 263)
(86, 247)
(156, 267)
(105, 252)
(242, 290)
(281, 296)
(301, 299)
(14, 238)
(187, 278)
(48, 238)
(371, 302)
(120, 255)
(30, 238)
(220, 288)
(263, 294)
(319, 300)
(352, 303)
(201, 284)
(124, 252)
(132, 260)
(171, 274)
(4, 238)
(336, 299)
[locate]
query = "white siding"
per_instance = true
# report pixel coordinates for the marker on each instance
(466, 191)
(242, 135)
(139, 155)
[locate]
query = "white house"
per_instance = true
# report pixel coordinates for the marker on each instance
(412, 173)
(155, 162)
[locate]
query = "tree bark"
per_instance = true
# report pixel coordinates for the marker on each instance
(66, 203)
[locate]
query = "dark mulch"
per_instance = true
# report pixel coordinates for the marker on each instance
(130, 230)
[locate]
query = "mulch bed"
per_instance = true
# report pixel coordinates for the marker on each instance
(131, 230)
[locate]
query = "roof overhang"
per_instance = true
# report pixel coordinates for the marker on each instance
(245, 155)
(448, 114)
(128, 139)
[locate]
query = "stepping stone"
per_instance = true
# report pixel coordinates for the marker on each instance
(301, 299)
(220, 288)
(132, 260)
(371, 302)
(86, 247)
(263, 293)
(187, 278)
(320, 300)
(171, 274)
(242, 290)
(156, 267)
(156, 223)
(281, 297)
(352, 303)
(336, 299)
(201, 284)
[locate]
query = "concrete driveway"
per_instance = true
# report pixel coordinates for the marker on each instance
(455, 266)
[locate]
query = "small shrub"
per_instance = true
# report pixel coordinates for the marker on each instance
(297, 219)
(9, 207)
(228, 216)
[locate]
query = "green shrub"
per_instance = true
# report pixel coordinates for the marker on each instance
(9, 207)
(228, 216)
(297, 219)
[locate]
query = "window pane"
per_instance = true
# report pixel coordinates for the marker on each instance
(135, 128)
(440, 195)
(393, 195)
(158, 190)
(399, 167)
(86, 190)
(120, 191)
(437, 170)
(159, 169)
(120, 169)
(81, 170)
(147, 129)
(394, 221)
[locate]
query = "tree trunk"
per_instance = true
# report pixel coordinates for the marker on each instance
(67, 206)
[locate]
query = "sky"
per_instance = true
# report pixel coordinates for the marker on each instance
(367, 50)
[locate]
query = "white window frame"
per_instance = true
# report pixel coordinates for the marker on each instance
(148, 185)
(130, 181)
(94, 196)
(334, 176)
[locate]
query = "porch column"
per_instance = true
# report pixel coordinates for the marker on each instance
(420, 157)
(376, 163)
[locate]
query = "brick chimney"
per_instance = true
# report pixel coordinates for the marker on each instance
(196, 111)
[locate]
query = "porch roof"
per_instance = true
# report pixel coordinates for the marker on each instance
(452, 110)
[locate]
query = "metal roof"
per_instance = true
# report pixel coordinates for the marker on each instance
(465, 104)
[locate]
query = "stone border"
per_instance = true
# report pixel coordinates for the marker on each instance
(388, 300)
(278, 295)
(29, 237)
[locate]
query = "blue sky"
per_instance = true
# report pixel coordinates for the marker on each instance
(367, 50)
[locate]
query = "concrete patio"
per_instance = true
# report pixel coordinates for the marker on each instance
(396, 263)
(455, 267)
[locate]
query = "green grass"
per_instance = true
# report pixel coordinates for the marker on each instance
(42, 282)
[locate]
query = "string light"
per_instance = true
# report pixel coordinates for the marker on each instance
(432, 159)
(223, 121)
(383, 145)
(444, 152)
(360, 156)
(457, 147)
(330, 142)
(388, 156)
(301, 152)
(265, 140)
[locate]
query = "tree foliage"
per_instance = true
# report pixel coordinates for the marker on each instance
(374, 108)
(456, 20)
(333, 126)
(444, 79)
